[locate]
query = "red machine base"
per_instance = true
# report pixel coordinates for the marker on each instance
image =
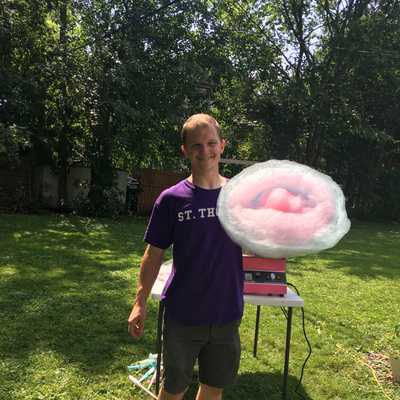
(264, 276)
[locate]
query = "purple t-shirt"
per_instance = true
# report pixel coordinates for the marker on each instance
(207, 282)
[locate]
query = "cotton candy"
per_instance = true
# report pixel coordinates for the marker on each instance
(279, 209)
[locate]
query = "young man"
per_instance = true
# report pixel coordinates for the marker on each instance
(204, 298)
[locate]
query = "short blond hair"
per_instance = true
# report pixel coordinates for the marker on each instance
(199, 121)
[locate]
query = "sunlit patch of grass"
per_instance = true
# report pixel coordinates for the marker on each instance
(67, 284)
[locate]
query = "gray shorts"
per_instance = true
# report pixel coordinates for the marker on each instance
(216, 347)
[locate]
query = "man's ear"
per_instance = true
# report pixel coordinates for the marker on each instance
(183, 150)
(224, 142)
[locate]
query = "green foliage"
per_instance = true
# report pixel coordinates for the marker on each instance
(335, 100)
(14, 141)
(109, 83)
(104, 203)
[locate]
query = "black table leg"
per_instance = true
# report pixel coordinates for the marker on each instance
(159, 343)
(256, 331)
(287, 352)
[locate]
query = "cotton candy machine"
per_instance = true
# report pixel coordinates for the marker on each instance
(264, 276)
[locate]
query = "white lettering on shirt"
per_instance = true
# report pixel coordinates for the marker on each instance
(202, 211)
(210, 212)
(188, 215)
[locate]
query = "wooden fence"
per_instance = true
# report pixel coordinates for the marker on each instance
(152, 183)
(18, 187)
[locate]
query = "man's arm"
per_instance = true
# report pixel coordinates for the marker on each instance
(149, 268)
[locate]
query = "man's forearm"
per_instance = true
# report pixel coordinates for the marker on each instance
(149, 268)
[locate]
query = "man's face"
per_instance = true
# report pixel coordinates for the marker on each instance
(203, 148)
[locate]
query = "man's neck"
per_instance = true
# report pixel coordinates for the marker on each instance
(209, 181)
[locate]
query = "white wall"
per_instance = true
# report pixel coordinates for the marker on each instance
(47, 183)
(78, 181)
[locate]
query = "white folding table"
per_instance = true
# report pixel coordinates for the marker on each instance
(289, 301)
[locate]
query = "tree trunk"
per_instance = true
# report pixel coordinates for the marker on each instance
(63, 143)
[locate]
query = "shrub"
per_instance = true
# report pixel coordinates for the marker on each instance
(106, 203)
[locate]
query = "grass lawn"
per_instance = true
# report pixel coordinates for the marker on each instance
(66, 286)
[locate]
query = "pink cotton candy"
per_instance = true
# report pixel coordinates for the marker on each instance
(282, 208)
(280, 199)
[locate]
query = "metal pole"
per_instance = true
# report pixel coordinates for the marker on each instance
(159, 343)
(256, 331)
(287, 352)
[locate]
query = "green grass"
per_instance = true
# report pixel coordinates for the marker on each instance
(66, 286)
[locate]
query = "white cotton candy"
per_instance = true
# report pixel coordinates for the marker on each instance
(280, 209)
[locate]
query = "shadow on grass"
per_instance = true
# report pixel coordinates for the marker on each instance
(65, 288)
(257, 386)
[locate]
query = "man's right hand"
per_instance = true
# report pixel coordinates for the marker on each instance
(136, 320)
(149, 268)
